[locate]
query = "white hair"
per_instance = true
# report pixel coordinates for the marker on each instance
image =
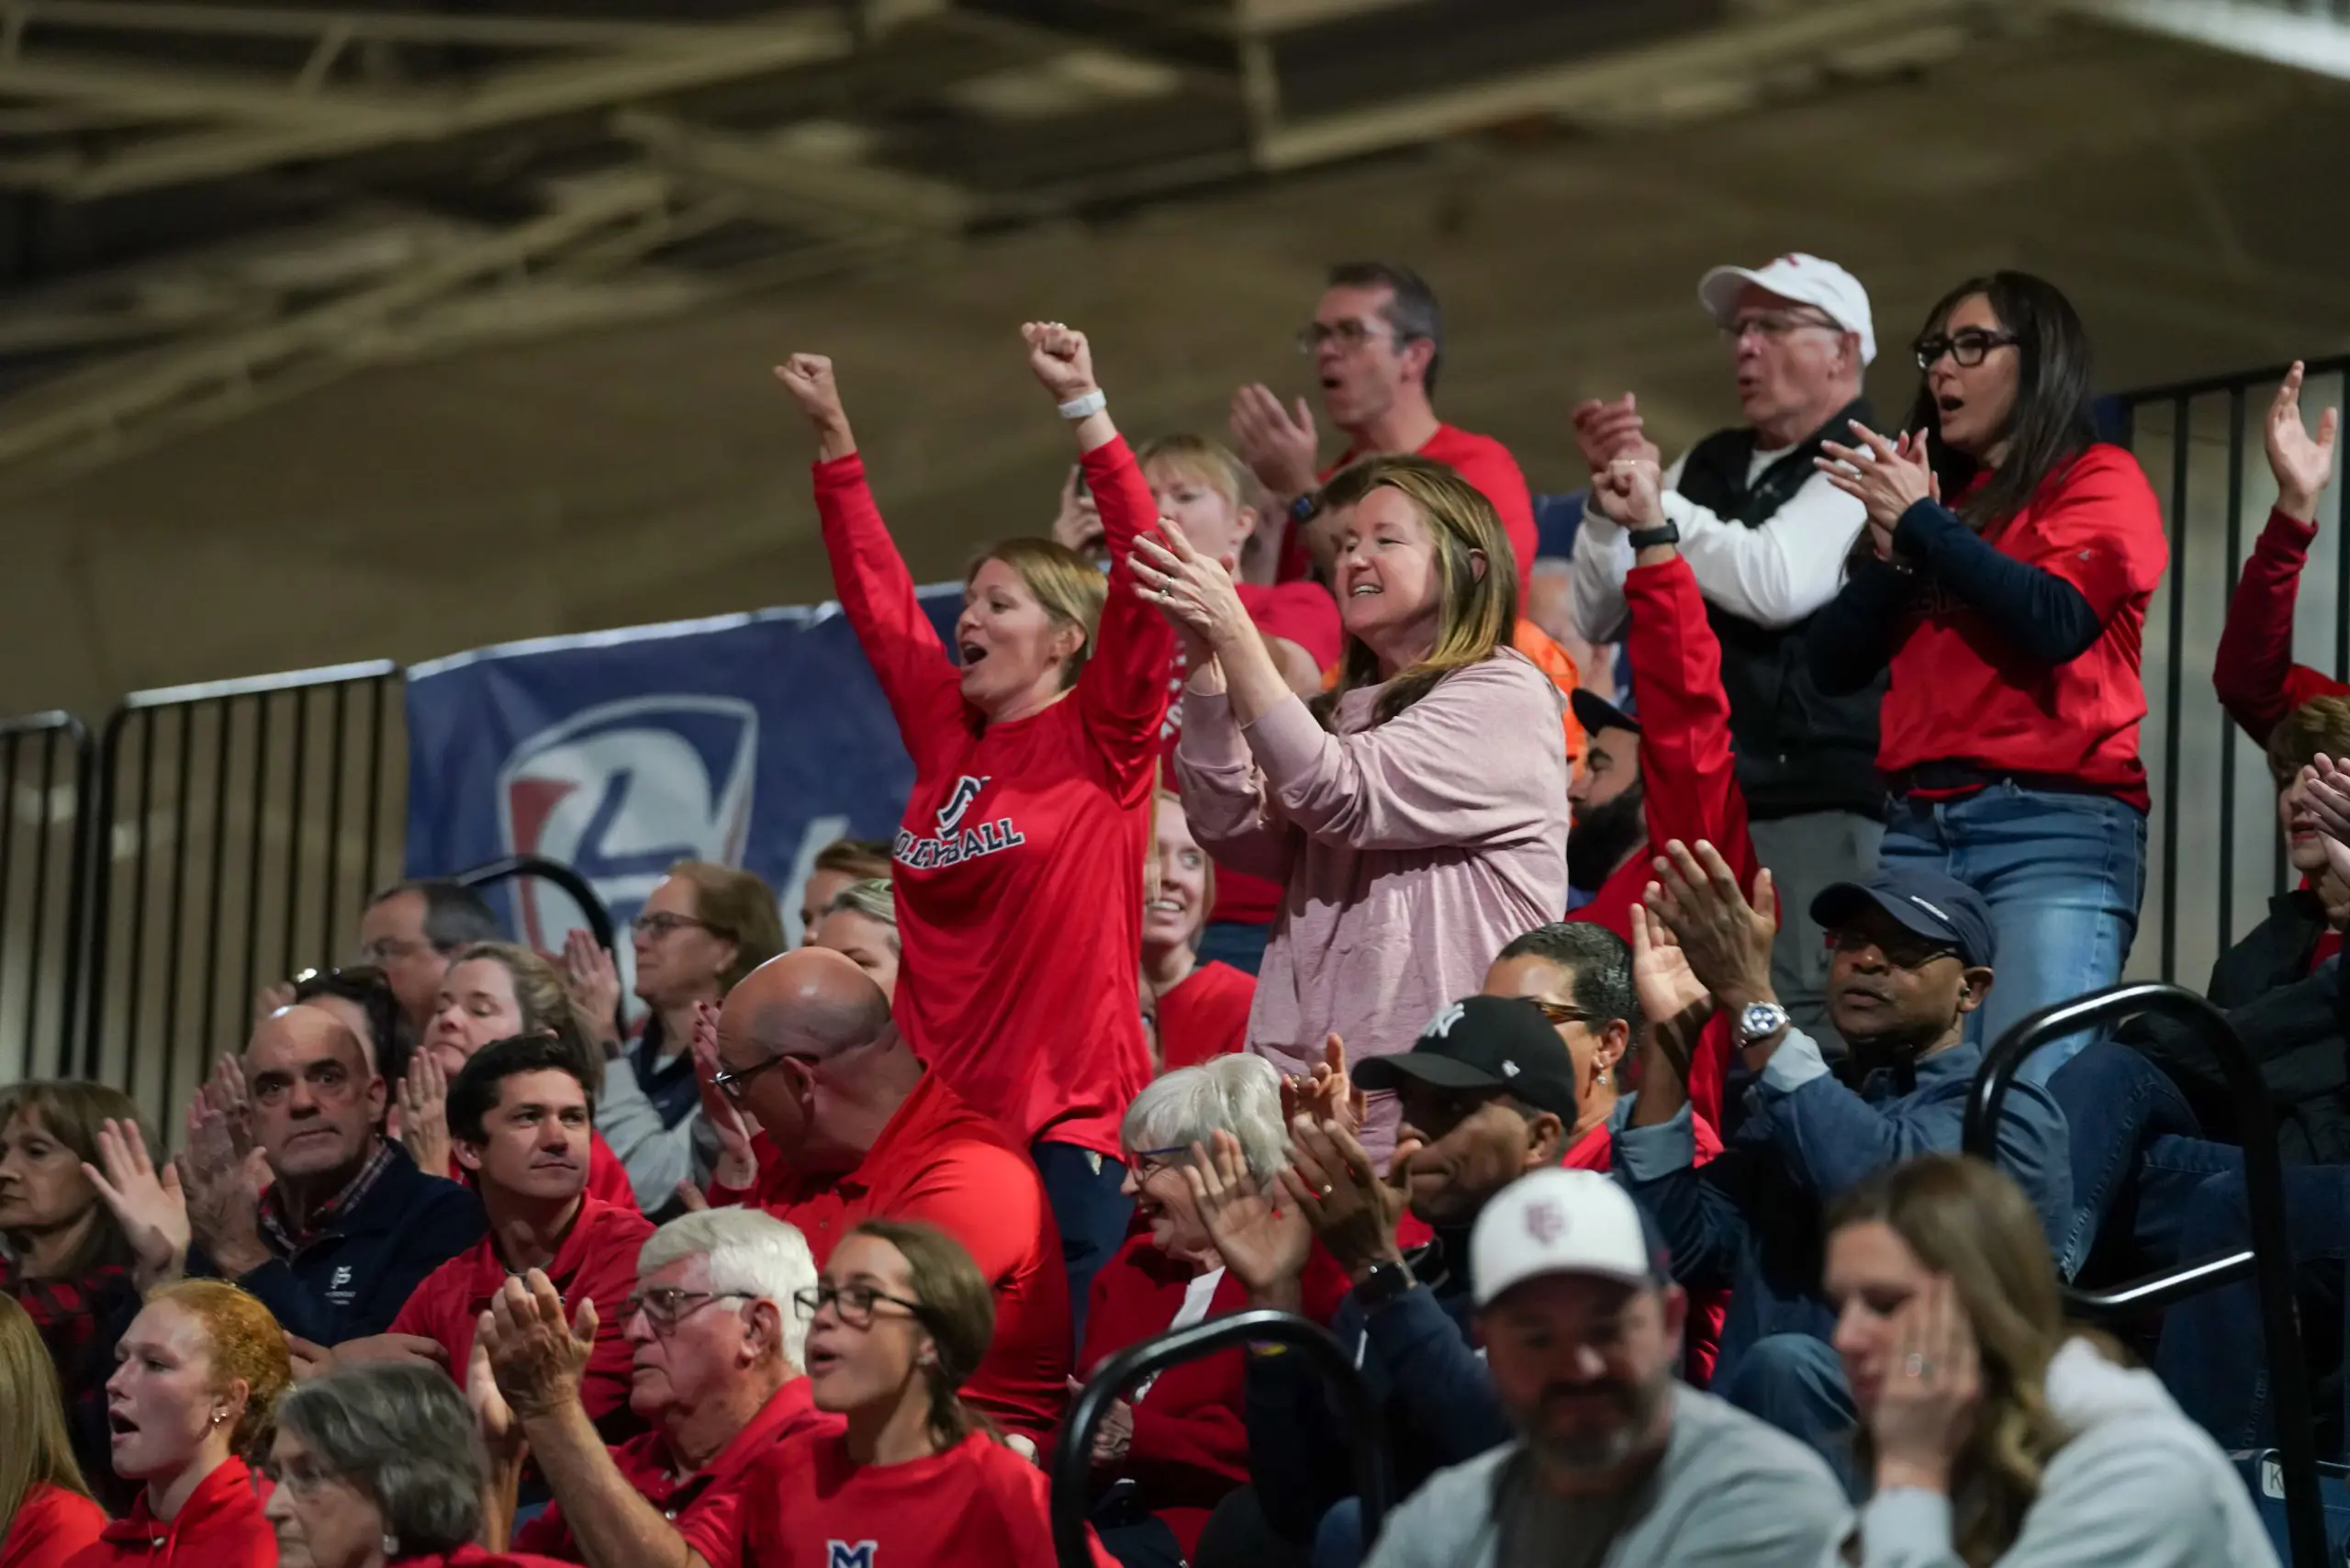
(749, 1253)
(1239, 1093)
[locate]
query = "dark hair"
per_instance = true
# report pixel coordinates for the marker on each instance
(402, 1435)
(1598, 965)
(736, 906)
(1412, 312)
(2053, 420)
(958, 1311)
(475, 1093)
(454, 915)
(69, 1111)
(364, 987)
(2320, 724)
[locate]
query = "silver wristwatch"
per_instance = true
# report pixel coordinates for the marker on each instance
(1761, 1020)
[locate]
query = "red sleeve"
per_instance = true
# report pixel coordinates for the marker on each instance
(1487, 464)
(546, 1535)
(1304, 613)
(1687, 771)
(52, 1525)
(877, 594)
(986, 1198)
(423, 1313)
(1122, 690)
(607, 1177)
(2253, 671)
(2100, 528)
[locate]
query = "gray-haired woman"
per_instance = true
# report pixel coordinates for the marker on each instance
(380, 1465)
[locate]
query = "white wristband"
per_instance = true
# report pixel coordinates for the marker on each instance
(1085, 407)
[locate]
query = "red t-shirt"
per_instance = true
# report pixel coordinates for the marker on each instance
(1300, 612)
(707, 1506)
(978, 1505)
(1205, 1013)
(220, 1526)
(1960, 693)
(51, 1525)
(607, 1177)
(596, 1261)
(1485, 463)
(1019, 860)
(943, 1163)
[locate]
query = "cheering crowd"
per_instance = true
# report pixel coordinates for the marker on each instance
(1294, 909)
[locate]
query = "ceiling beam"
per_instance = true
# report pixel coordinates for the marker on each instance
(842, 196)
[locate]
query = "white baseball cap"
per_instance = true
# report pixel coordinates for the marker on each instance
(1805, 279)
(1561, 1222)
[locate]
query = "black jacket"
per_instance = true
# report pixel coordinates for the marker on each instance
(350, 1280)
(2296, 1025)
(1799, 749)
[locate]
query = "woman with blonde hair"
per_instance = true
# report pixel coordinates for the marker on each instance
(1989, 1434)
(201, 1370)
(1021, 851)
(46, 1512)
(1416, 815)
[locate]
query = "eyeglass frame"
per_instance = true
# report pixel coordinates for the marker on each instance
(1149, 1162)
(1776, 324)
(667, 1319)
(662, 923)
(810, 1302)
(1350, 336)
(729, 1082)
(1981, 340)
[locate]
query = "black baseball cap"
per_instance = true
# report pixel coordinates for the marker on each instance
(1485, 1042)
(1937, 907)
(1595, 714)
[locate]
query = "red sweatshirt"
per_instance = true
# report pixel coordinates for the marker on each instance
(1020, 858)
(220, 1526)
(1205, 1013)
(596, 1261)
(942, 1162)
(1688, 776)
(2253, 671)
(1190, 1445)
(50, 1525)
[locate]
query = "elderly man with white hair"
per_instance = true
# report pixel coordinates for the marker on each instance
(717, 1377)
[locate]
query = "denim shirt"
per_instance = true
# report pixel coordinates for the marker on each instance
(1751, 1220)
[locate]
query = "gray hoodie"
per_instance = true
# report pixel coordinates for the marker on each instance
(2138, 1486)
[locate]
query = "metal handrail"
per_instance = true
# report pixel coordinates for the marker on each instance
(55, 723)
(1072, 1469)
(2269, 1261)
(599, 919)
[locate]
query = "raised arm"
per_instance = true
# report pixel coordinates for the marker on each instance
(2253, 671)
(875, 588)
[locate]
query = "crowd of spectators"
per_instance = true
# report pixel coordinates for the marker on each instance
(1277, 920)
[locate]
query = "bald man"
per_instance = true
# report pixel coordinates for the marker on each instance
(348, 1225)
(854, 1127)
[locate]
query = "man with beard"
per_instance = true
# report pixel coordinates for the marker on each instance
(1615, 1462)
(1911, 954)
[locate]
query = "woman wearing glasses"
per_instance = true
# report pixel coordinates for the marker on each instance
(2008, 561)
(1022, 846)
(896, 1322)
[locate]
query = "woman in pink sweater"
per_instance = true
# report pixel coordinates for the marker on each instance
(1416, 816)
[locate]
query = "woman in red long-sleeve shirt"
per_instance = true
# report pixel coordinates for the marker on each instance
(1019, 861)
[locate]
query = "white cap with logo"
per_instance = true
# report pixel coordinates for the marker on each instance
(1559, 1222)
(1805, 279)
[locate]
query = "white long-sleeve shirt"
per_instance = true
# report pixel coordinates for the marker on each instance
(1773, 575)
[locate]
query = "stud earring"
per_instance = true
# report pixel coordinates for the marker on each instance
(391, 1545)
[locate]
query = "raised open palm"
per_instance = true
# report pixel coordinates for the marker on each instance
(2302, 463)
(1263, 1244)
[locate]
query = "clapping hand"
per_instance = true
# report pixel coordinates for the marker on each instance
(1265, 1246)
(1630, 492)
(1278, 444)
(1607, 431)
(1326, 1094)
(424, 1112)
(1726, 938)
(147, 1203)
(2303, 465)
(1350, 1207)
(227, 1092)
(1925, 1408)
(1672, 999)
(2325, 784)
(1078, 525)
(1061, 358)
(537, 1359)
(499, 1431)
(737, 1167)
(1888, 477)
(594, 981)
(1192, 590)
(223, 1203)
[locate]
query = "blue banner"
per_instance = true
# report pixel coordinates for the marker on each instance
(751, 740)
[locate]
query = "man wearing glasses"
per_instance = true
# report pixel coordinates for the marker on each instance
(1766, 537)
(857, 1128)
(1377, 341)
(716, 1331)
(411, 930)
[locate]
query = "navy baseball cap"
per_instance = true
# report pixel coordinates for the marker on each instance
(1482, 1043)
(1595, 714)
(1937, 907)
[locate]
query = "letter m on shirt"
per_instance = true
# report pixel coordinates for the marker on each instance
(841, 1555)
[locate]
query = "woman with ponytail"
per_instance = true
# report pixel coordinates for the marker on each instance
(1989, 1436)
(896, 1323)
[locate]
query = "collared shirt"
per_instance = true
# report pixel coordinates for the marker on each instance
(279, 1232)
(220, 1526)
(943, 1161)
(595, 1261)
(706, 1507)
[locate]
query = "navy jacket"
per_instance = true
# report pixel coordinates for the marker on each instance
(1751, 1218)
(351, 1280)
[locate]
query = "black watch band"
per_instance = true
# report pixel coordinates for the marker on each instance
(1668, 533)
(1306, 508)
(1382, 1283)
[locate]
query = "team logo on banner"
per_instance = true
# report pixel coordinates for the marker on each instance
(619, 791)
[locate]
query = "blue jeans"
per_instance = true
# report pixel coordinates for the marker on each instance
(1796, 1383)
(1091, 1212)
(1235, 943)
(2138, 1158)
(2063, 875)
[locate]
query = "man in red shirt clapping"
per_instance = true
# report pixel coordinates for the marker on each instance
(855, 1127)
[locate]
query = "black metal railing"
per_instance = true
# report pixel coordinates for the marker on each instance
(2269, 1262)
(591, 908)
(243, 824)
(1072, 1469)
(45, 760)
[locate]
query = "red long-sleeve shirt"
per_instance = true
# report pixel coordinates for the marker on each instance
(2253, 671)
(1688, 774)
(220, 1526)
(51, 1525)
(1019, 860)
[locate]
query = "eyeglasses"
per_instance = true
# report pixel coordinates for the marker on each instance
(655, 926)
(853, 1305)
(1561, 1011)
(1776, 324)
(666, 1306)
(385, 951)
(1967, 347)
(1149, 1162)
(1903, 952)
(729, 1084)
(1350, 335)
